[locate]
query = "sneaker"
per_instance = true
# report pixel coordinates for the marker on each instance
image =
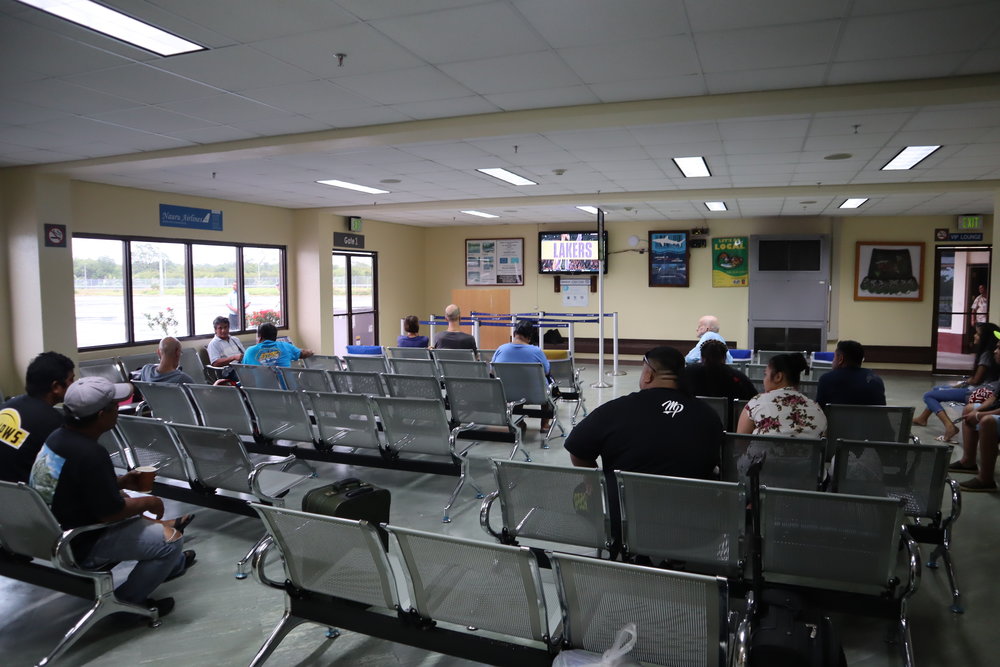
(189, 560)
(976, 485)
(958, 466)
(164, 605)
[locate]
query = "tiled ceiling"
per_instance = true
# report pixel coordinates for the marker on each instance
(591, 98)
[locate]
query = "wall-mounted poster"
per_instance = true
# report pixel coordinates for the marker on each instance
(889, 271)
(494, 261)
(668, 259)
(729, 262)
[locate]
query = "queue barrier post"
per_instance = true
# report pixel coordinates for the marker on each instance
(614, 351)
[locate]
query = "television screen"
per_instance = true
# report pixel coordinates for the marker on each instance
(569, 252)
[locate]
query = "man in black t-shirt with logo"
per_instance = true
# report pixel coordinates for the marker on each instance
(658, 430)
(27, 420)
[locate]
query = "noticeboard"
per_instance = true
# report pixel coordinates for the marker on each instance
(492, 262)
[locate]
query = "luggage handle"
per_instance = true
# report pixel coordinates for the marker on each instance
(339, 485)
(359, 492)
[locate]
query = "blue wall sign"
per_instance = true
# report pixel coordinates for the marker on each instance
(965, 236)
(190, 218)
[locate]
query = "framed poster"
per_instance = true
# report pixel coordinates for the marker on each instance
(494, 262)
(889, 271)
(669, 257)
(729, 262)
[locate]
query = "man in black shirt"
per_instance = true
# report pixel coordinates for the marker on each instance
(712, 377)
(454, 338)
(658, 430)
(848, 383)
(74, 475)
(27, 420)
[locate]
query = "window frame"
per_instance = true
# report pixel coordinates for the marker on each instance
(189, 322)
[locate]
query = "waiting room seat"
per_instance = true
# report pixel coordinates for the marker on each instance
(916, 474)
(792, 463)
(110, 369)
(305, 379)
(453, 355)
(254, 375)
(408, 353)
(280, 415)
(463, 369)
(481, 410)
(682, 618)
(323, 361)
(561, 504)
(566, 377)
(842, 543)
(699, 523)
(756, 373)
(223, 406)
(406, 366)
(486, 355)
(357, 382)
(134, 362)
(526, 384)
(343, 420)
(168, 401)
(119, 453)
(880, 423)
(808, 388)
(29, 532)
(366, 363)
(722, 407)
(151, 442)
(193, 366)
(412, 386)
(212, 373)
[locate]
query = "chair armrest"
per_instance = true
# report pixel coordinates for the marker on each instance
(513, 404)
(62, 553)
(956, 502)
(254, 477)
(913, 555)
(484, 515)
(258, 559)
(741, 648)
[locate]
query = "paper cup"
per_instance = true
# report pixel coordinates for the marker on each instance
(146, 476)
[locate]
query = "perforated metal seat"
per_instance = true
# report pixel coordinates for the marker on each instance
(323, 362)
(151, 442)
(792, 463)
(366, 363)
(808, 388)
(191, 364)
(305, 379)
(223, 407)
(252, 375)
(168, 401)
(445, 354)
(356, 382)
(408, 353)
(722, 407)
(412, 386)
(133, 362)
(527, 385)
(478, 403)
(915, 474)
(682, 618)
(344, 420)
(109, 369)
(704, 527)
(28, 529)
(560, 504)
(566, 377)
(463, 368)
(407, 366)
(879, 423)
(280, 415)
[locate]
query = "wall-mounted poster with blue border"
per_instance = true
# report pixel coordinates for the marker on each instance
(668, 259)
(190, 218)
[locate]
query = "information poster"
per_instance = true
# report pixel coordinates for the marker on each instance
(729, 262)
(575, 291)
(494, 261)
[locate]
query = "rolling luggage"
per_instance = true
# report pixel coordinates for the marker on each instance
(351, 498)
(786, 632)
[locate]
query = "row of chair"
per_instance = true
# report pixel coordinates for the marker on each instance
(845, 541)
(458, 589)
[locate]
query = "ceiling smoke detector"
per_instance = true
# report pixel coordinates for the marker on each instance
(558, 172)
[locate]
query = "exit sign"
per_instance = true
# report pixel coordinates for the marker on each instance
(970, 222)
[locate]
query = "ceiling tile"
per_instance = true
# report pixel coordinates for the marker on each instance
(535, 99)
(224, 108)
(597, 22)
(766, 47)
(251, 20)
(307, 96)
(234, 68)
(155, 120)
(657, 88)
(634, 59)
(523, 72)
(66, 97)
(411, 85)
(143, 83)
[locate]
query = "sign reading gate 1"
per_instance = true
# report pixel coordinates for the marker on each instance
(566, 249)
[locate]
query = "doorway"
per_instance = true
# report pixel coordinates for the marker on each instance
(959, 272)
(355, 300)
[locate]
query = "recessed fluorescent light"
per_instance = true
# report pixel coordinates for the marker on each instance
(909, 157)
(692, 167)
(716, 206)
(588, 209)
(481, 214)
(115, 24)
(354, 186)
(854, 202)
(508, 176)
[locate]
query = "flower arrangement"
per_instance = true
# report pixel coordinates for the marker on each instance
(163, 320)
(259, 317)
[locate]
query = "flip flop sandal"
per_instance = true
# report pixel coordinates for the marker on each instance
(181, 522)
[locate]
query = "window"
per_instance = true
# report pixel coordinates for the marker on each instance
(131, 290)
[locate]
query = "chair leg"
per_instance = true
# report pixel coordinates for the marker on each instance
(284, 626)
(552, 426)
(102, 606)
(446, 518)
(907, 644)
(243, 564)
(944, 553)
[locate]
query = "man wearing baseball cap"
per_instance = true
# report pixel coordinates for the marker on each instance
(73, 473)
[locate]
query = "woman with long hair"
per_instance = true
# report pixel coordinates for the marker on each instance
(782, 409)
(986, 370)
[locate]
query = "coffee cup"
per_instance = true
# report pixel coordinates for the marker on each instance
(146, 476)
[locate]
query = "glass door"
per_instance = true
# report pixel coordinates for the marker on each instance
(961, 300)
(355, 300)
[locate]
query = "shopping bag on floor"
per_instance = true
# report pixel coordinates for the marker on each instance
(616, 656)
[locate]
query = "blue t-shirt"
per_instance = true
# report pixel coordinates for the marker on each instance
(520, 354)
(416, 341)
(271, 353)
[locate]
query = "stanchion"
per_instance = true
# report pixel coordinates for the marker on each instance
(572, 341)
(431, 320)
(475, 331)
(614, 351)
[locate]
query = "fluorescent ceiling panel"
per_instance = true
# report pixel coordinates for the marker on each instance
(508, 176)
(692, 167)
(716, 206)
(353, 186)
(481, 214)
(854, 202)
(909, 157)
(115, 24)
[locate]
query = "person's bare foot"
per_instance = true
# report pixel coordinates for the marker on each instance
(917, 422)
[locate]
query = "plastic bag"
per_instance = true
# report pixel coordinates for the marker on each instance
(616, 656)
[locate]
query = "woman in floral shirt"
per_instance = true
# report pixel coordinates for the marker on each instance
(781, 409)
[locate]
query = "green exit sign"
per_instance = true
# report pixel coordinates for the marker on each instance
(970, 222)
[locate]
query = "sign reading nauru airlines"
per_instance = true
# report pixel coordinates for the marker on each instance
(569, 249)
(11, 433)
(190, 218)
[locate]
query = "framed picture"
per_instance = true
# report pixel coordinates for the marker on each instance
(669, 259)
(494, 261)
(889, 271)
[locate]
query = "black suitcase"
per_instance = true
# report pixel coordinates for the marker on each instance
(351, 498)
(787, 632)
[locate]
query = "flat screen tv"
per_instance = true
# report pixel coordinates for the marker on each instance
(569, 252)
